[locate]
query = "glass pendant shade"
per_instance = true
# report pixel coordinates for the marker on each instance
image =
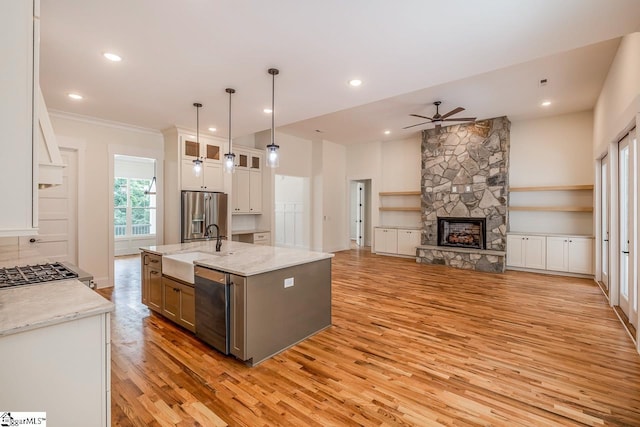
(197, 167)
(230, 162)
(273, 157)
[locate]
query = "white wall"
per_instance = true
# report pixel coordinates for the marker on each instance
(619, 100)
(335, 236)
(93, 232)
(552, 151)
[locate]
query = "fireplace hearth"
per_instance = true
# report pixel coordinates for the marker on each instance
(462, 232)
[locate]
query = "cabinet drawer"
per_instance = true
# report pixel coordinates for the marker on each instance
(153, 260)
(260, 237)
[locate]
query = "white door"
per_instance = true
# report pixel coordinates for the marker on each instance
(515, 250)
(624, 205)
(57, 210)
(580, 255)
(557, 253)
(535, 251)
(604, 220)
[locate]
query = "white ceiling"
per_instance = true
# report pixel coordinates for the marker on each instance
(486, 56)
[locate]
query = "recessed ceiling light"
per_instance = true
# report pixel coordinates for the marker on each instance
(387, 132)
(112, 57)
(355, 82)
(545, 103)
(268, 110)
(75, 96)
(212, 129)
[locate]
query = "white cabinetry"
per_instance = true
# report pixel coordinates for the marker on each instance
(571, 254)
(208, 152)
(19, 48)
(386, 240)
(408, 241)
(526, 251)
(262, 238)
(397, 241)
(63, 369)
(247, 182)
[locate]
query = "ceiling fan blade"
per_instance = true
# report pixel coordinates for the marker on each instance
(419, 124)
(461, 119)
(452, 112)
(422, 117)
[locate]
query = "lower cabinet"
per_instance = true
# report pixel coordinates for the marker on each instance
(262, 238)
(179, 303)
(526, 251)
(570, 254)
(396, 241)
(152, 281)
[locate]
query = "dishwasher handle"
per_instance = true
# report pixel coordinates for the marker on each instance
(213, 275)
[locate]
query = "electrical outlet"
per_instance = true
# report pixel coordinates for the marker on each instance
(288, 282)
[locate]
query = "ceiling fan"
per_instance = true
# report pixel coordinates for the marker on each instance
(439, 118)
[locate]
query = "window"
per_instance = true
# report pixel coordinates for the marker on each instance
(134, 211)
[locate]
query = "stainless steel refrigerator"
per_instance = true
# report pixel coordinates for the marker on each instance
(200, 209)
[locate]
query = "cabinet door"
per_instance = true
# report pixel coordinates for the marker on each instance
(155, 290)
(212, 179)
(144, 286)
(238, 330)
(171, 293)
(535, 250)
(515, 250)
(18, 104)
(255, 191)
(557, 253)
(379, 240)
(241, 183)
(408, 241)
(580, 257)
(210, 152)
(391, 240)
(187, 313)
(190, 181)
(190, 149)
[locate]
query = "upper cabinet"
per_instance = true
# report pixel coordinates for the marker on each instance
(247, 182)
(19, 48)
(209, 178)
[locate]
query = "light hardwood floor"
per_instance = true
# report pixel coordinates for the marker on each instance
(410, 344)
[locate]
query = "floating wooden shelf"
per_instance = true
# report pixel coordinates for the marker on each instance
(555, 188)
(400, 193)
(398, 208)
(552, 208)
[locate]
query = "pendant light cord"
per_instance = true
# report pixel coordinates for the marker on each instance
(230, 91)
(273, 107)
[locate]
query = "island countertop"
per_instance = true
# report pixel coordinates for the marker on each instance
(243, 259)
(27, 307)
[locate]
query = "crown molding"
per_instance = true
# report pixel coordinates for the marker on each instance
(103, 122)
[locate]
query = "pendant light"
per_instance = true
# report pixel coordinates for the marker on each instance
(197, 163)
(273, 158)
(230, 158)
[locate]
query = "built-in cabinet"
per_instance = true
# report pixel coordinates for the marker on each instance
(152, 281)
(208, 152)
(247, 182)
(179, 303)
(557, 253)
(396, 241)
(19, 48)
(262, 238)
(570, 254)
(526, 251)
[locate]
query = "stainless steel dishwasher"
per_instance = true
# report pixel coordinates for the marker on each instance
(212, 307)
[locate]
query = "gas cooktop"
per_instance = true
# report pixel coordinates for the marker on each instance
(31, 274)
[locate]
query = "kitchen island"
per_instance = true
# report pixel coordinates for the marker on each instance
(247, 300)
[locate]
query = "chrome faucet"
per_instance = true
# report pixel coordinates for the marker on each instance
(218, 236)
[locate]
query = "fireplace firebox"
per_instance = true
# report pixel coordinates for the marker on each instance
(462, 232)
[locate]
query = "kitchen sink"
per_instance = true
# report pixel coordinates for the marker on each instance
(180, 265)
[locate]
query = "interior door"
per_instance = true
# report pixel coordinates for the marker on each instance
(360, 214)
(57, 211)
(604, 220)
(624, 205)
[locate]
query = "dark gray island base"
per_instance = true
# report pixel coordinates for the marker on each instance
(267, 318)
(248, 301)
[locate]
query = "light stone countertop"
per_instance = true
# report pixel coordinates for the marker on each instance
(400, 227)
(242, 259)
(28, 307)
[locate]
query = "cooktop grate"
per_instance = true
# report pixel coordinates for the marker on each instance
(30, 274)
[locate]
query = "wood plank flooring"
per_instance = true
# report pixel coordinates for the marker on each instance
(410, 344)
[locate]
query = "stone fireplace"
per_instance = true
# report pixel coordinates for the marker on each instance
(465, 179)
(462, 232)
